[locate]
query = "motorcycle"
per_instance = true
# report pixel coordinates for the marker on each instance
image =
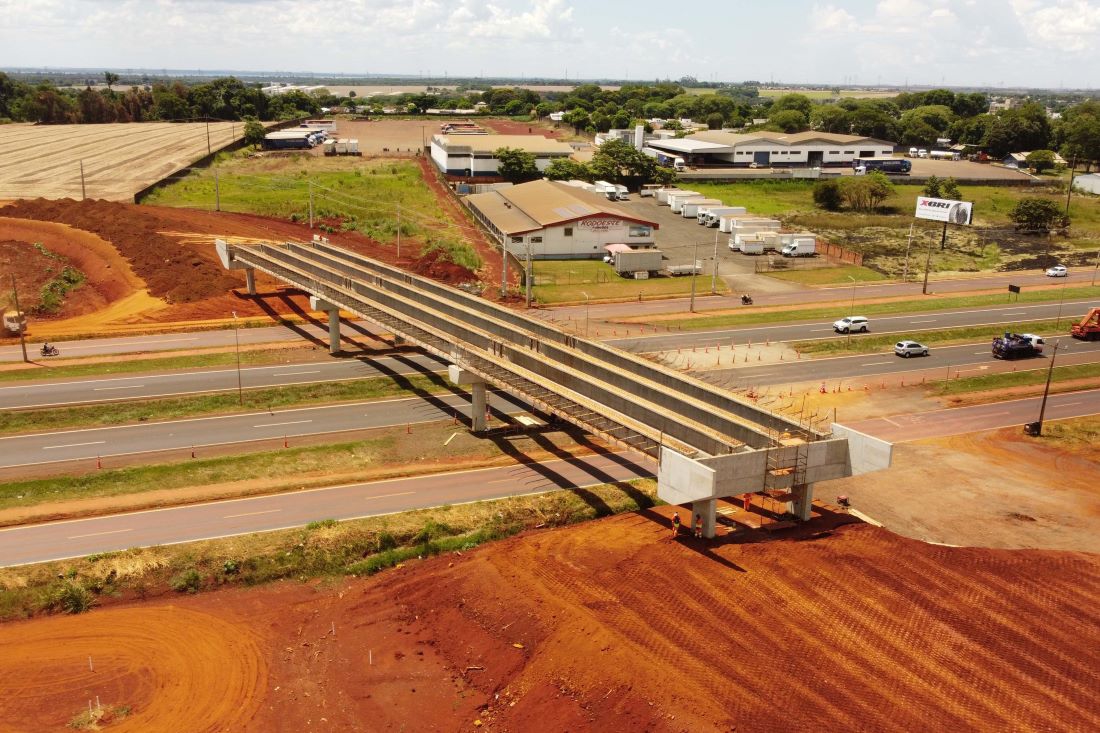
(746, 300)
(48, 350)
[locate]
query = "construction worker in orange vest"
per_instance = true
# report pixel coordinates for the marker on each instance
(699, 526)
(675, 524)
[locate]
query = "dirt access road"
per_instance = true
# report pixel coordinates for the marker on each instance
(609, 625)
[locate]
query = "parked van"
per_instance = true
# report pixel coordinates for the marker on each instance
(912, 152)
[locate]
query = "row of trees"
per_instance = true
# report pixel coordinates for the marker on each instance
(226, 98)
(614, 162)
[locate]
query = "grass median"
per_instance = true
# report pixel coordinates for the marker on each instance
(321, 549)
(873, 344)
(1032, 377)
(831, 312)
(175, 408)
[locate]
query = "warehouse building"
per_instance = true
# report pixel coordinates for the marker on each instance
(718, 148)
(472, 155)
(558, 222)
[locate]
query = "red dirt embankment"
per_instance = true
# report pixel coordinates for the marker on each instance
(612, 625)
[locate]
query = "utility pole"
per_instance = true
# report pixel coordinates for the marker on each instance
(851, 310)
(1069, 188)
(905, 271)
(527, 275)
(398, 232)
(927, 266)
(714, 274)
(237, 342)
(694, 274)
(310, 204)
(1046, 390)
(209, 150)
(19, 319)
(83, 191)
(504, 269)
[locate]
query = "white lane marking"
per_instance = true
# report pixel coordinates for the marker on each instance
(104, 389)
(927, 320)
(73, 445)
(1067, 404)
(138, 344)
(292, 374)
(994, 414)
(1012, 314)
(895, 424)
(820, 330)
(387, 496)
(980, 353)
(280, 424)
(251, 514)
(97, 534)
(878, 363)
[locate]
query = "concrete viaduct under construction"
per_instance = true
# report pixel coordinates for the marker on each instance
(708, 443)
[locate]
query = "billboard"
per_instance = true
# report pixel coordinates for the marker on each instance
(952, 212)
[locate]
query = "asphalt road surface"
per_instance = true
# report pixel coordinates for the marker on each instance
(87, 443)
(957, 420)
(76, 538)
(55, 393)
(998, 318)
(962, 360)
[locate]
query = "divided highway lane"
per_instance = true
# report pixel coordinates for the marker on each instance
(41, 393)
(76, 538)
(87, 443)
(966, 359)
(996, 317)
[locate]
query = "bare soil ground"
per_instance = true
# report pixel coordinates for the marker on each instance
(609, 625)
(157, 265)
(119, 159)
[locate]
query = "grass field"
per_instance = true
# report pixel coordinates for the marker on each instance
(987, 382)
(176, 408)
(568, 281)
(884, 237)
(347, 193)
(828, 275)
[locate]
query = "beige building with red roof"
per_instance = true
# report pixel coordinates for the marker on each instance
(558, 221)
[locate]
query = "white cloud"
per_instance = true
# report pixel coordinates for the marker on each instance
(831, 18)
(1069, 26)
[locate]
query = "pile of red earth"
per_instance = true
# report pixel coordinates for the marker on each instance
(32, 269)
(171, 269)
(434, 266)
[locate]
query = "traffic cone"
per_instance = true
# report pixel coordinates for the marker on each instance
(98, 462)
(285, 444)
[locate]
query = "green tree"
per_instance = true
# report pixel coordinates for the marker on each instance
(1040, 160)
(830, 118)
(827, 194)
(798, 102)
(866, 193)
(933, 188)
(515, 165)
(254, 132)
(567, 169)
(788, 120)
(111, 78)
(951, 190)
(715, 121)
(618, 162)
(1038, 215)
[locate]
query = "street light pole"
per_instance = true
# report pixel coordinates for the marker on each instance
(694, 274)
(19, 319)
(527, 276)
(927, 267)
(585, 313)
(714, 274)
(1061, 299)
(851, 308)
(237, 343)
(1046, 390)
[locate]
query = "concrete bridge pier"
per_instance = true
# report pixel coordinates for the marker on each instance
(318, 304)
(803, 501)
(709, 509)
(478, 403)
(250, 280)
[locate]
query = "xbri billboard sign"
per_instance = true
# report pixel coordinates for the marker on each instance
(952, 212)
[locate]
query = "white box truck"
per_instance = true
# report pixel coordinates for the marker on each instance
(714, 214)
(747, 246)
(690, 209)
(676, 200)
(801, 247)
(663, 194)
(622, 193)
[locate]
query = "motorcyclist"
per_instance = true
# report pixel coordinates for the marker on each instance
(746, 299)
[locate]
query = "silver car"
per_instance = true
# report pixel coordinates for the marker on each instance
(910, 348)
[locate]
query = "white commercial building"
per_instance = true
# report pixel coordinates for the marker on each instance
(473, 155)
(718, 148)
(1089, 182)
(558, 221)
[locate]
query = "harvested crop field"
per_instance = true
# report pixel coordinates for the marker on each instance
(119, 159)
(613, 625)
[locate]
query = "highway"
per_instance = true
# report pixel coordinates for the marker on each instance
(76, 538)
(87, 443)
(55, 393)
(998, 318)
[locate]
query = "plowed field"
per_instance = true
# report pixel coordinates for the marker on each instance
(610, 625)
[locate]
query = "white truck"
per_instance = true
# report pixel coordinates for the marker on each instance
(711, 215)
(607, 190)
(679, 164)
(690, 209)
(747, 246)
(800, 247)
(622, 193)
(15, 322)
(676, 200)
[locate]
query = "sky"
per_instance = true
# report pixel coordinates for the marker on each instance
(1010, 43)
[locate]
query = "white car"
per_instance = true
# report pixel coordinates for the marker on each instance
(850, 324)
(906, 349)
(1057, 271)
